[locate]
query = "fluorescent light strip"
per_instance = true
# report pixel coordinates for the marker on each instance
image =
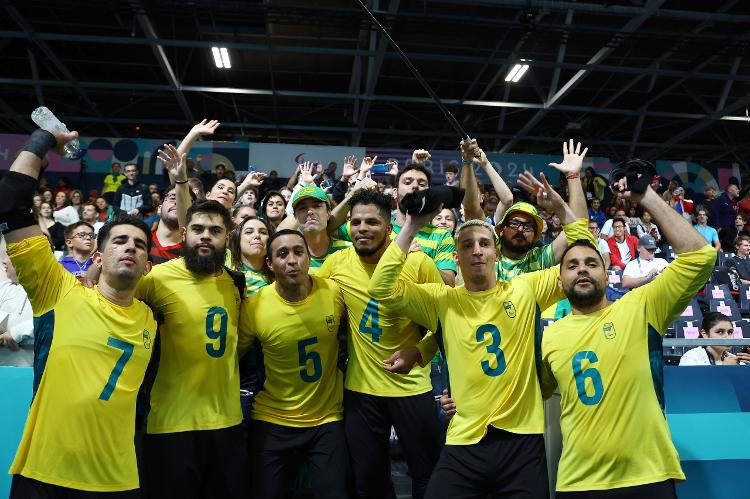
(520, 73)
(225, 57)
(513, 72)
(217, 57)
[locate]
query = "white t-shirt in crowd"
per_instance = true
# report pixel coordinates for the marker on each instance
(603, 246)
(607, 227)
(640, 268)
(625, 255)
(66, 216)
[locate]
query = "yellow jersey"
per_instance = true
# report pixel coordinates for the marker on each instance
(303, 385)
(197, 382)
(377, 331)
(609, 365)
(79, 432)
(490, 340)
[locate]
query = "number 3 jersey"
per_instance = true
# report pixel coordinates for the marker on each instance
(303, 385)
(490, 340)
(608, 365)
(197, 381)
(79, 432)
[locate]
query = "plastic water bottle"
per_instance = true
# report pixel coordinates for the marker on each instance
(46, 120)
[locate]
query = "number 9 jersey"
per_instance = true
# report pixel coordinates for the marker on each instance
(79, 432)
(197, 381)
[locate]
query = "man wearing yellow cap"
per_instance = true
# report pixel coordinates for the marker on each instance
(311, 211)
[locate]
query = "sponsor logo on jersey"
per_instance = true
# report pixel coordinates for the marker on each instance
(609, 331)
(146, 339)
(510, 309)
(330, 323)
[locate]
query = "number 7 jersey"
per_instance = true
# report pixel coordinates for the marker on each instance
(79, 432)
(197, 381)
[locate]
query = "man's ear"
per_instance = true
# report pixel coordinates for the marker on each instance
(148, 267)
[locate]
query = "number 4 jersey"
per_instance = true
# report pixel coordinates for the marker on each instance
(490, 340)
(197, 379)
(303, 385)
(79, 432)
(608, 365)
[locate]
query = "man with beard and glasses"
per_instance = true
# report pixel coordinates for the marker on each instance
(521, 226)
(607, 360)
(381, 388)
(297, 415)
(193, 445)
(490, 331)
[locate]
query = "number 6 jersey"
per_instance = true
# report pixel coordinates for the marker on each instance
(490, 340)
(197, 379)
(79, 432)
(303, 385)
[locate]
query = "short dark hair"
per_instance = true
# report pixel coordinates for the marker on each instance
(124, 219)
(284, 232)
(368, 196)
(211, 207)
(451, 167)
(70, 229)
(710, 319)
(708, 213)
(582, 243)
(419, 168)
(619, 219)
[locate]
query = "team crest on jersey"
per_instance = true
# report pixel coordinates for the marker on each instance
(609, 331)
(510, 309)
(330, 323)
(146, 339)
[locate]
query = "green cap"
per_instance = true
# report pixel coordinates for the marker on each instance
(529, 209)
(310, 191)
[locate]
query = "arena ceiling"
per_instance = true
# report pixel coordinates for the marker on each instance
(648, 78)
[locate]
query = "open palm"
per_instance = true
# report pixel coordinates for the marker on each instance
(173, 162)
(572, 158)
(206, 127)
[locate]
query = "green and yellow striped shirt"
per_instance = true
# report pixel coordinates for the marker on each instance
(254, 280)
(436, 243)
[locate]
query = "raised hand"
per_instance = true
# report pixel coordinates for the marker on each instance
(572, 158)
(253, 179)
(546, 197)
(173, 162)
(420, 156)
(205, 127)
(367, 164)
(365, 183)
(349, 167)
(469, 150)
(394, 167)
(306, 176)
(318, 168)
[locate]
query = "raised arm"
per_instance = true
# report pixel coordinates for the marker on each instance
(205, 127)
(174, 162)
(252, 179)
(468, 181)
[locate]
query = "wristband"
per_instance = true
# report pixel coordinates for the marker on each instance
(571, 176)
(467, 161)
(39, 143)
(180, 181)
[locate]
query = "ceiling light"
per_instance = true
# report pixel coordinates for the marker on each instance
(517, 71)
(221, 57)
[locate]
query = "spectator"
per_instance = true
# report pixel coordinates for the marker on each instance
(707, 231)
(152, 218)
(607, 227)
(709, 195)
(89, 215)
(286, 193)
(112, 181)
(273, 208)
(63, 185)
(196, 186)
(153, 189)
(249, 197)
(622, 246)
(633, 220)
(37, 201)
(55, 229)
(79, 239)
(451, 174)
(64, 213)
(209, 179)
(715, 325)
(76, 201)
(271, 183)
(601, 243)
(648, 228)
(446, 219)
(646, 267)
(684, 207)
(47, 195)
(104, 211)
(242, 212)
(596, 213)
(167, 237)
(728, 236)
(16, 315)
(669, 193)
(593, 184)
(740, 261)
(725, 207)
(656, 184)
(132, 196)
(743, 208)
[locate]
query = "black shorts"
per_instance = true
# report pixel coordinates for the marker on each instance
(659, 490)
(277, 452)
(195, 464)
(502, 464)
(368, 420)
(27, 488)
